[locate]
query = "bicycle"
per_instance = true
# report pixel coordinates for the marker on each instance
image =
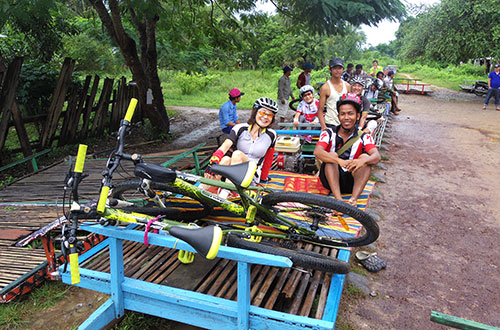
(206, 241)
(290, 216)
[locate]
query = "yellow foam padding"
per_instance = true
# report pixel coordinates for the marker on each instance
(130, 110)
(80, 158)
(103, 197)
(75, 269)
(216, 240)
(252, 167)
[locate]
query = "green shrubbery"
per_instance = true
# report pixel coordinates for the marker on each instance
(189, 83)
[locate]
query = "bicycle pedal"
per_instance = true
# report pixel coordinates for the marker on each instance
(185, 257)
(254, 238)
(252, 211)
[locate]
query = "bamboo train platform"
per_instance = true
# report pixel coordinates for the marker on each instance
(30, 203)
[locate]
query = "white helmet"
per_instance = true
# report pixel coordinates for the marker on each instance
(267, 103)
(304, 89)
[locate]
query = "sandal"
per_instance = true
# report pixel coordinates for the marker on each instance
(370, 261)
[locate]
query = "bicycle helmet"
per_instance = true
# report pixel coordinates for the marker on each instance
(304, 89)
(358, 80)
(351, 98)
(267, 103)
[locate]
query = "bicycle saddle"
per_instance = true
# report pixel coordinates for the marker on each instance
(154, 172)
(240, 174)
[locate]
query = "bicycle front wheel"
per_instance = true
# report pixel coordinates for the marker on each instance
(318, 214)
(179, 205)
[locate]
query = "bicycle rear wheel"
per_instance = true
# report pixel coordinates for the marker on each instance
(299, 257)
(179, 205)
(318, 214)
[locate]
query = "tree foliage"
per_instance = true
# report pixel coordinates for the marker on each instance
(36, 26)
(189, 35)
(450, 32)
(334, 16)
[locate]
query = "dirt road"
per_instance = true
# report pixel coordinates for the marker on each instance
(441, 217)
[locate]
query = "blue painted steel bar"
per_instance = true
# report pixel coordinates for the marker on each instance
(332, 302)
(243, 294)
(117, 274)
(297, 132)
(186, 306)
(170, 242)
(100, 318)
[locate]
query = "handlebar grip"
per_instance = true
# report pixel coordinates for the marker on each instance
(101, 205)
(130, 110)
(80, 158)
(75, 268)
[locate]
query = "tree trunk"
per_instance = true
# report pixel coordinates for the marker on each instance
(142, 73)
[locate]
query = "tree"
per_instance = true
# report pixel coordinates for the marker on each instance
(450, 32)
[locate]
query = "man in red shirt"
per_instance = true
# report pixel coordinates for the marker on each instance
(349, 171)
(305, 77)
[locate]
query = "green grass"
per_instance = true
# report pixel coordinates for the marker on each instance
(139, 321)
(254, 84)
(14, 314)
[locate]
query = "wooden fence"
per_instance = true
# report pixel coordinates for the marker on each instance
(76, 111)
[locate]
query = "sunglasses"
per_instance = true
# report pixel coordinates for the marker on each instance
(266, 114)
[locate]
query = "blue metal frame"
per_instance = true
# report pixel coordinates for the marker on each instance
(187, 306)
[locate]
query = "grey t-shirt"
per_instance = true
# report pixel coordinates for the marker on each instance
(255, 150)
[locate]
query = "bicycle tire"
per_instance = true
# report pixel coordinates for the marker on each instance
(128, 190)
(304, 208)
(299, 257)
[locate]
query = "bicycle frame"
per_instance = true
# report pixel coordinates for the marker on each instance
(184, 182)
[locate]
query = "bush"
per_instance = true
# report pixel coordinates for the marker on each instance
(189, 83)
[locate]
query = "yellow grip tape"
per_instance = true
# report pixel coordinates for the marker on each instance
(101, 206)
(75, 269)
(80, 158)
(130, 110)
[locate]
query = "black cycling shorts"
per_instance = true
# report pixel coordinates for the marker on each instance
(346, 180)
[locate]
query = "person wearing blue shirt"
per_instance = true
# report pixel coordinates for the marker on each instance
(493, 87)
(228, 116)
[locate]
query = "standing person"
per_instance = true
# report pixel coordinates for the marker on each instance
(284, 93)
(228, 116)
(493, 87)
(305, 77)
(330, 93)
(374, 69)
(346, 171)
(348, 74)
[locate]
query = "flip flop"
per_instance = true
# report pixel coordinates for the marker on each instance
(370, 261)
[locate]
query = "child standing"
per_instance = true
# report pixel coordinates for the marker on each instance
(307, 110)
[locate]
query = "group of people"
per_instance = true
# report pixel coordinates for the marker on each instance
(346, 152)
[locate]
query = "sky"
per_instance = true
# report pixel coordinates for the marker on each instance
(385, 31)
(381, 34)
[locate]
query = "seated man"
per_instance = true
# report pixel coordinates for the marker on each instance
(347, 154)
(389, 81)
(358, 72)
(228, 116)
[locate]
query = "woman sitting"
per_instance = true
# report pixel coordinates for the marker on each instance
(252, 141)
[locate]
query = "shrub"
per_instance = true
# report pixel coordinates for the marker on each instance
(189, 83)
